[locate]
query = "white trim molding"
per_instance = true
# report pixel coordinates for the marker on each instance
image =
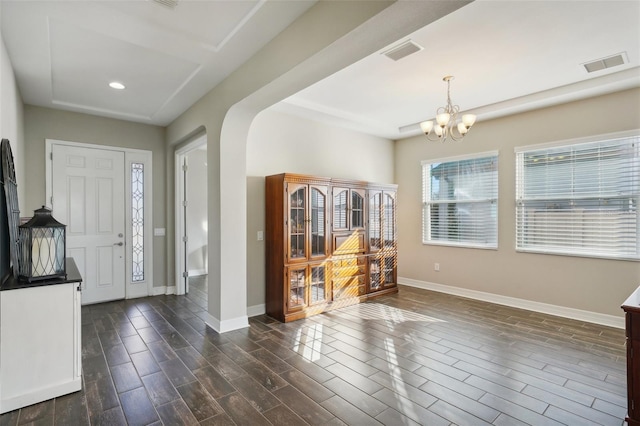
(164, 290)
(226, 325)
(529, 305)
(255, 310)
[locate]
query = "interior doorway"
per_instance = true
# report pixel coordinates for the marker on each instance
(191, 220)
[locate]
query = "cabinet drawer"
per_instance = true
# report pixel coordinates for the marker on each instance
(340, 283)
(348, 261)
(348, 243)
(349, 291)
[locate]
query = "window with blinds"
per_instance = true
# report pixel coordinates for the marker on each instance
(460, 201)
(579, 199)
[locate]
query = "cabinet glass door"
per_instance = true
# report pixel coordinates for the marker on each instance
(357, 210)
(375, 283)
(340, 199)
(297, 287)
(297, 223)
(389, 226)
(318, 222)
(375, 217)
(318, 287)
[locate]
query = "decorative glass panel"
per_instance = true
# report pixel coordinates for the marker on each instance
(296, 288)
(375, 203)
(357, 210)
(389, 266)
(318, 235)
(374, 273)
(389, 220)
(137, 222)
(298, 229)
(317, 284)
(340, 210)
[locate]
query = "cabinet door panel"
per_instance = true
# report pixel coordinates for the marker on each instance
(375, 221)
(357, 209)
(318, 221)
(297, 229)
(340, 205)
(318, 287)
(389, 220)
(296, 289)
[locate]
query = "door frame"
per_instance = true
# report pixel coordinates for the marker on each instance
(180, 249)
(140, 288)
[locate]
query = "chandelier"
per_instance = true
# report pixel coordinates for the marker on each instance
(447, 120)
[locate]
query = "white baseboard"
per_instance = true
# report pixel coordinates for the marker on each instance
(255, 310)
(162, 290)
(545, 308)
(197, 272)
(226, 325)
(137, 290)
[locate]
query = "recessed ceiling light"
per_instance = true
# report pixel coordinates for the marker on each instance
(116, 85)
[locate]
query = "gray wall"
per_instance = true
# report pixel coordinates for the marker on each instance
(44, 123)
(594, 285)
(12, 128)
(197, 222)
(281, 143)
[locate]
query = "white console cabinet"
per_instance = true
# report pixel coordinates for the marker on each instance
(40, 347)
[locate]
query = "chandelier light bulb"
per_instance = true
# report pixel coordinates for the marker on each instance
(426, 126)
(443, 119)
(468, 120)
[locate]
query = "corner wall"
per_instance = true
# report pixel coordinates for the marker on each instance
(594, 285)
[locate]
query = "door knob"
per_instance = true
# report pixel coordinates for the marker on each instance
(119, 244)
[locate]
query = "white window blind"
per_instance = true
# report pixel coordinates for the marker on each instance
(580, 199)
(460, 200)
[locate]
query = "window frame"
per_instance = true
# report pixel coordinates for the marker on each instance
(519, 189)
(427, 201)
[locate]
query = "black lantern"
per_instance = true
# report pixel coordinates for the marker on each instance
(42, 247)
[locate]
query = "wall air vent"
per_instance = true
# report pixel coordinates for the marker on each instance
(402, 50)
(171, 4)
(608, 62)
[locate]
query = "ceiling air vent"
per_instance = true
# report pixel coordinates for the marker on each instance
(171, 4)
(403, 50)
(604, 63)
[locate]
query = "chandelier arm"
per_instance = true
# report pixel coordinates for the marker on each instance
(431, 139)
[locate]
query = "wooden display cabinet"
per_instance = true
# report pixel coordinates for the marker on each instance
(329, 243)
(631, 308)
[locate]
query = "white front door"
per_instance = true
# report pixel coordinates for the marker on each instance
(89, 197)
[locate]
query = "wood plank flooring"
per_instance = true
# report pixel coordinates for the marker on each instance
(418, 357)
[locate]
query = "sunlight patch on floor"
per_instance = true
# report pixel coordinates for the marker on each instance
(399, 385)
(389, 314)
(309, 344)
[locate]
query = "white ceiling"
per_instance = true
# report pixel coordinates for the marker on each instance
(506, 56)
(65, 53)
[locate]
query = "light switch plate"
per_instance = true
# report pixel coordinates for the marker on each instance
(159, 232)
(260, 235)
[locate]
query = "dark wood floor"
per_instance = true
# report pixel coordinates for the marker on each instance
(418, 357)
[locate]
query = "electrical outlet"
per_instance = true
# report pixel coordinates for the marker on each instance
(436, 267)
